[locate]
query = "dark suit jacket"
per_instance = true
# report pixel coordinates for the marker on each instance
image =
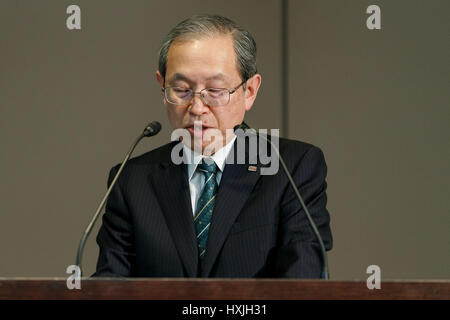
(258, 228)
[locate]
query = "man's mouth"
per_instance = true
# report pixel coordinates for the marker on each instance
(197, 130)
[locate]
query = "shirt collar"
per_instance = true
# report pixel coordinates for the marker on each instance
(193, 158)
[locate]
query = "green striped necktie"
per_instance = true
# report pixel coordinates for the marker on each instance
(205, 205)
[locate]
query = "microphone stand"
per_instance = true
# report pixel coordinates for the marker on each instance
(150, 130)
(324, 272)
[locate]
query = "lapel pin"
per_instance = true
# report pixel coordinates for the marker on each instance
(252, 168)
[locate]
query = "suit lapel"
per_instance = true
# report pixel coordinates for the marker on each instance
(236, 184)
(172, 189)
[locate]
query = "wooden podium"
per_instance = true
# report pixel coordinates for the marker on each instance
(218, 289)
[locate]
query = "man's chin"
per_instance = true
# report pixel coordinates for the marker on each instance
(201, 146)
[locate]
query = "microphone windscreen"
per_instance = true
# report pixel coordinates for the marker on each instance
(152, 129)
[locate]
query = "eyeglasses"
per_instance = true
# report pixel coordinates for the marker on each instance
(213, 97)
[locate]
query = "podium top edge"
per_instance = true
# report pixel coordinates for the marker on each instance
(220, 279)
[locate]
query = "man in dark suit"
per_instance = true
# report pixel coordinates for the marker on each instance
(208, 216)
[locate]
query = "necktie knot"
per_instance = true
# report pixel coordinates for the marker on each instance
(207, 166)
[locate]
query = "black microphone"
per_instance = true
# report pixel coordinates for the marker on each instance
(151, 129)
(324, 274)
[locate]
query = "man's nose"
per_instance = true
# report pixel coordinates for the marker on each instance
(197, 106)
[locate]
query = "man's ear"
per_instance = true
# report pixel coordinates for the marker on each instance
(160, 79)
(251, 90)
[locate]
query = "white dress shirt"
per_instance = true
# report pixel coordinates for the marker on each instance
(196, 178)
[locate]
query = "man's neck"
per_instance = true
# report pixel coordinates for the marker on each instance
(192, 156)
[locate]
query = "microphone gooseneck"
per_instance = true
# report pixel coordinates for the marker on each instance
(324, 274)
(150, 130)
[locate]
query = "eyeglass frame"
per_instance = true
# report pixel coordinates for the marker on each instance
(230, 92)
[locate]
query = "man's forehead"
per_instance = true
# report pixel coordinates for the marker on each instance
(202, 60)
(220, 46)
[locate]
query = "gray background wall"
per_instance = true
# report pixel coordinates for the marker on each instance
(376, 102)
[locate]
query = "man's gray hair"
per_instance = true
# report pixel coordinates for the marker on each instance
(206, 25)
